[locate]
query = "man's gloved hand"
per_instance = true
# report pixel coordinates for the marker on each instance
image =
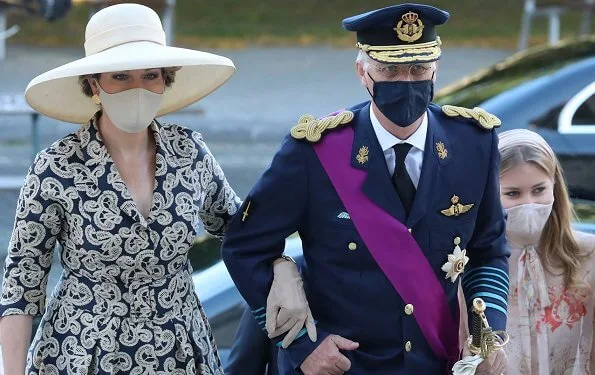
(287, 307)
(495, 364)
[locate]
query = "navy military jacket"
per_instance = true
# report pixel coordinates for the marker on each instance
(348, 293)
(252, 352)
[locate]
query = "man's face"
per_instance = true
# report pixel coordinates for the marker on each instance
(370, 71)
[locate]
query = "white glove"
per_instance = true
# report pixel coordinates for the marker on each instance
(287, 307)
(467, 365)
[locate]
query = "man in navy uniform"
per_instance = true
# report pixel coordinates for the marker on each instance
(396, 200)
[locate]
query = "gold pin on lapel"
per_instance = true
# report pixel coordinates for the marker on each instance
(442, 151)
(456, 207)
(362, 155)
(245, 213)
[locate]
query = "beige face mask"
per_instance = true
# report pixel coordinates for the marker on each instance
(132, 110)
(525, 223)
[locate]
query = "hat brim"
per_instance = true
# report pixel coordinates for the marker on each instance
(58, 94)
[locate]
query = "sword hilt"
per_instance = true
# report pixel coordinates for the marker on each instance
(484, 341)
(476, 322)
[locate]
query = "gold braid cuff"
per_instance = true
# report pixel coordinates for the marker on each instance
(484, 119)
(311, 128)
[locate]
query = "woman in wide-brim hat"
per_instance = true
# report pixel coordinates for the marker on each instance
(122, 195)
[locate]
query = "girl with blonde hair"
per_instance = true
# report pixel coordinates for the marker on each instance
(551, 302)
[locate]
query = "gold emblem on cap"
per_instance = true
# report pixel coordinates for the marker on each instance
(456, 208)
(409, 28)
(442, 151)
(362, 155)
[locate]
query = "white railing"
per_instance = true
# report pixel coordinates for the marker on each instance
(553, 11)
(5, 33)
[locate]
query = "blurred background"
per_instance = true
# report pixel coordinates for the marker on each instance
(530, 62)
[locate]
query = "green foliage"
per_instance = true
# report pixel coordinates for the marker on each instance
(232, 23)
(585, 212)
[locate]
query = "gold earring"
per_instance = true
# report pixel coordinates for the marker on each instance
(95, 99)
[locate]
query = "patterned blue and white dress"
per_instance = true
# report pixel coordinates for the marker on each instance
(125, 303)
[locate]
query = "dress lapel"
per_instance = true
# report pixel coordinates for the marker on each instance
(161, 189)
(97, 156)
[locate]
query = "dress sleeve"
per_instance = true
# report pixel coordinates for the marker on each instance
(38, 222)
(586, 243)
(220, 202)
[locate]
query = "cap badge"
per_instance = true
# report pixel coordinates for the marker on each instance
(409, 28)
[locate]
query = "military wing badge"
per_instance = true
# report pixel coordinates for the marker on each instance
(456, 208)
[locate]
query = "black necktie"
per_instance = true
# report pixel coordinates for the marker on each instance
(401, 178)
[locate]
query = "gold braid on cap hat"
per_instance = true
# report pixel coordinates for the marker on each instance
(428, 51)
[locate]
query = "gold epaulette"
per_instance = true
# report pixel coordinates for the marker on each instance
(311, 128)
(482, 118)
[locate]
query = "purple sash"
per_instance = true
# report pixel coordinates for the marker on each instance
(392, 246)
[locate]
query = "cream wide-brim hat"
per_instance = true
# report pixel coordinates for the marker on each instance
(126, 37)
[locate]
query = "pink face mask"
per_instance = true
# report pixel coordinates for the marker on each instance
(525, 223)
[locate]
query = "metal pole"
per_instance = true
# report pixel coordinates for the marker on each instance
(169, 21)
(587, 14)
(528, 11)
(554, 34)
(35, 134)
(2, 28)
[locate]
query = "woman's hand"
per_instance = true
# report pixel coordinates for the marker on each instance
(287, 306)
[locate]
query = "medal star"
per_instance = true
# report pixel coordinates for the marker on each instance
(456, 263)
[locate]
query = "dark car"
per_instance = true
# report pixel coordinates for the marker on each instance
(550, 90)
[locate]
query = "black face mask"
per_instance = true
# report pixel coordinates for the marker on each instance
(403, 102)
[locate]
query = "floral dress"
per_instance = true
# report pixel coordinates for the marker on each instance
(125, 303)
(550, 327)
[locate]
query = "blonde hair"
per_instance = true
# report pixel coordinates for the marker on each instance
(558, 246)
